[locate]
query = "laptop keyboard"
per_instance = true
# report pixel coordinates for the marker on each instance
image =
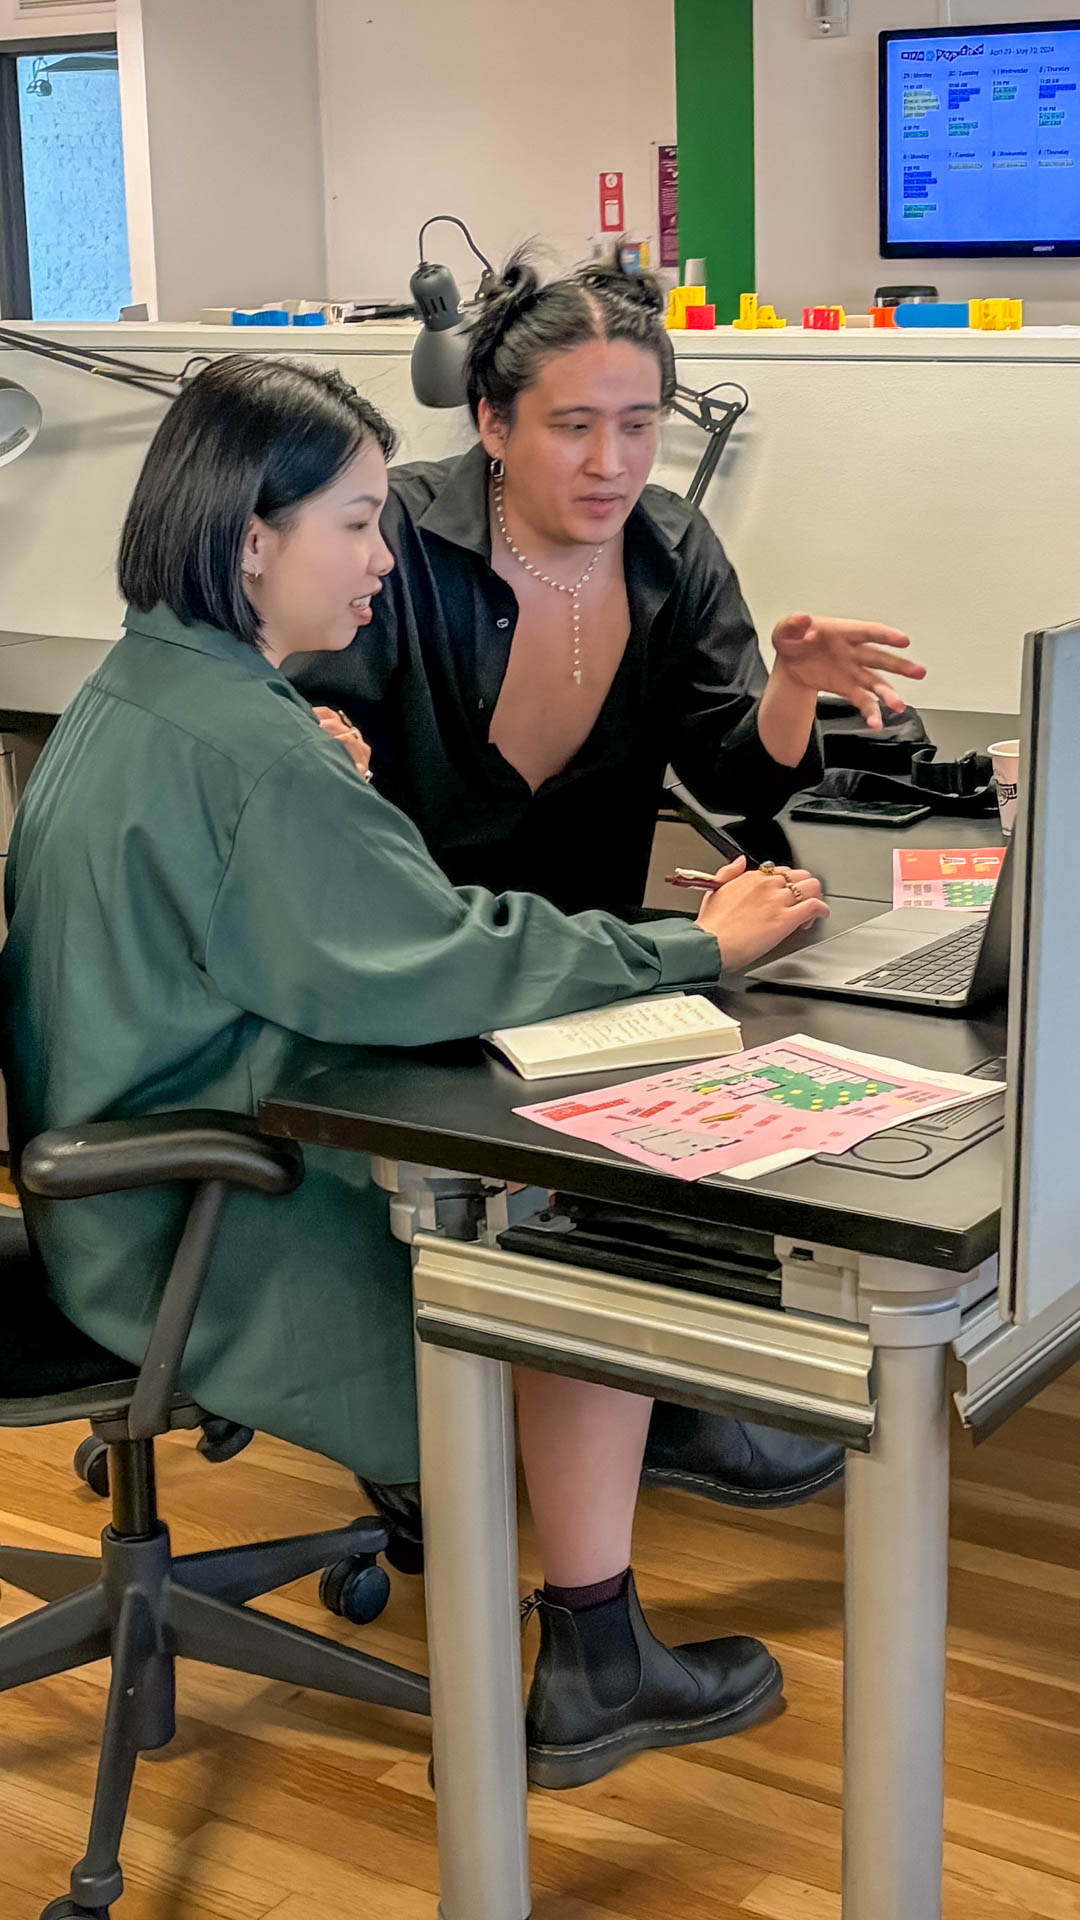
(944, 967)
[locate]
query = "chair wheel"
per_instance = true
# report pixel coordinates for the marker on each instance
(356, 1589)
(69, 1909)
(92, 1466)
(223, 1439)
(403, 1554)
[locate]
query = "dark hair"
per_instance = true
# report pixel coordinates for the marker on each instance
(248, 436)
(521, 323)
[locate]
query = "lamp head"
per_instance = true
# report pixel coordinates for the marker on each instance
(438, 357)
(20, 421)
(442, 345)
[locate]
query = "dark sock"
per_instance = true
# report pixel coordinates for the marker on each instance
(606, 1636)
(577, 1598)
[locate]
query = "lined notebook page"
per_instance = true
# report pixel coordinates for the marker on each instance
(629, 1023)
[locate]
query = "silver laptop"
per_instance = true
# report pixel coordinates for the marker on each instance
(927, 957)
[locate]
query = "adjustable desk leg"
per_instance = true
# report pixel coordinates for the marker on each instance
(897, 1548)
(469, 1495)
(474, 1634)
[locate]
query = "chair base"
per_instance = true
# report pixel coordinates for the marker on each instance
(144, 1610)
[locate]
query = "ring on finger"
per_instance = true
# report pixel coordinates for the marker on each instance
(795, 891)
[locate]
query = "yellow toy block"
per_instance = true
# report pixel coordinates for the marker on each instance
(678, 300)
(752, 317)
(996, 316)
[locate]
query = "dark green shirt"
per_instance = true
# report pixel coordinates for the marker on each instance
(422, 681)
(198, 886)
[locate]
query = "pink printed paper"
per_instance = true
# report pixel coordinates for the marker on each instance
(962, 878)
(789, 1097)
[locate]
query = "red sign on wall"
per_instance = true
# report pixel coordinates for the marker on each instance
(611, 203)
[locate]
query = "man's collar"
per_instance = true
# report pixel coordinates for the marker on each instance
(459, 511)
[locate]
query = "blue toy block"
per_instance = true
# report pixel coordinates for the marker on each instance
(942, 313)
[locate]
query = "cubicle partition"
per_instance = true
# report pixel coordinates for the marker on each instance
(930, 480)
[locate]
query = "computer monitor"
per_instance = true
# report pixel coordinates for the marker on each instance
(979, 131)
(1040, 1227)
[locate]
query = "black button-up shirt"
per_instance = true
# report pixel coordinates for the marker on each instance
(421, 683)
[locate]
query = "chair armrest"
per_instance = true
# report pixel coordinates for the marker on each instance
(114, 1156)
(215, 1150)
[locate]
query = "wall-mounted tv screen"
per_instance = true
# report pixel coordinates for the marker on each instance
(979, 132)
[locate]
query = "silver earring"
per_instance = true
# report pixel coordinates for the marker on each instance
(497, 470)
(251, 573)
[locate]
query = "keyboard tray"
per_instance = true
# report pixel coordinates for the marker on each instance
(734, 1262)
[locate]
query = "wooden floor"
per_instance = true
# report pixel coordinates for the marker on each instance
(274, 1802)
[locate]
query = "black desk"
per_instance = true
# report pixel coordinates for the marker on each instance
(880, 1277)
(855, 862)
(453, 1108)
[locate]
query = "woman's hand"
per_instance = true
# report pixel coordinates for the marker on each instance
(846, 657)
(336, 725)
(751, 912)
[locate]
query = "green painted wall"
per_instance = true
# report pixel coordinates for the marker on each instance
(714, 73)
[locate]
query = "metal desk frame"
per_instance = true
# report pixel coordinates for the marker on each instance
(873, 1371)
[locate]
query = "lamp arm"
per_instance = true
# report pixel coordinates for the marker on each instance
(715, 418)
(105, 366)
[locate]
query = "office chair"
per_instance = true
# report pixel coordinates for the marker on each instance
(137, 1605)
(355, 1587)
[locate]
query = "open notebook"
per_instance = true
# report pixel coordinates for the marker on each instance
(632, 1033)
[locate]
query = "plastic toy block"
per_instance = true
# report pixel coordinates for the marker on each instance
(753, 318)
(938, 313)
(996, 316)
(701, 319)
(825, 319)
(857, 320)
(883, 316)
(679, 299)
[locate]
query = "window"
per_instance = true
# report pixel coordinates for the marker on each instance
(63, 221)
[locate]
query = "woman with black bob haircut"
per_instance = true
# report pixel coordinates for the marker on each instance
(198, 884)
(556, 633)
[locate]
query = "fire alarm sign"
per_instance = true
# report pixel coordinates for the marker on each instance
(611, 203)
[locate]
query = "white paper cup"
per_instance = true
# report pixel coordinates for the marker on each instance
(1005, 755)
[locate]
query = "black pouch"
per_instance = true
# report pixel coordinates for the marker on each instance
(899, 763)
(847, 741)
(850, 783)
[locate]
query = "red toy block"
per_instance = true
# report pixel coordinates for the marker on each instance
(700, 319)
(827, 319)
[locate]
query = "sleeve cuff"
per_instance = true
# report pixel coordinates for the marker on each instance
(685, 952)
(775, 782)
(743, 777)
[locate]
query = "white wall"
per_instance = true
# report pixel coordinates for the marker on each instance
(501, 111)
(16, 26)
(817, 169)
(223, 152)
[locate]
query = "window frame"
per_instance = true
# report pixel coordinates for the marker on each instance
(16, 297)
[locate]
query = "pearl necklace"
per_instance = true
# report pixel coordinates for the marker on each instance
(545, 579)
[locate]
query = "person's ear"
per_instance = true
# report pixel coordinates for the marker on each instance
(257, 542)
(493, 432)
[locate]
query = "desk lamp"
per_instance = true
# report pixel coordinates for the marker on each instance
(438, 358)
